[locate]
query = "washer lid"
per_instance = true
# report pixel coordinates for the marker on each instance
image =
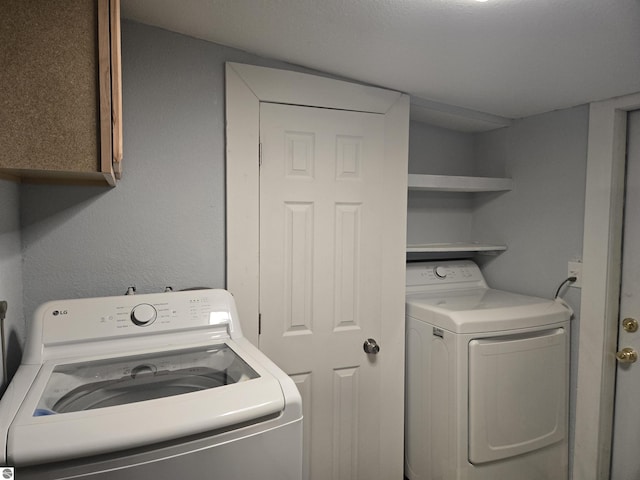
(98, 406)
(484, 310)
(109, 382)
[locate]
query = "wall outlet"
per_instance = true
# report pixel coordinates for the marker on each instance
(575, 270)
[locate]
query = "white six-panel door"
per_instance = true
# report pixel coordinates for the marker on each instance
(625, 462)
(367, 438)
(321, 192)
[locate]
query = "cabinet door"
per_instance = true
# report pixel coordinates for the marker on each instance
(518, 388)
(51, 96)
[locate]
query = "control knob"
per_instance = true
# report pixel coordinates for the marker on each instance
(143, 314)
(441, 272)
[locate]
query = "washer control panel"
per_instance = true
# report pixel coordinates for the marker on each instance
(96, 318)
(443, 273)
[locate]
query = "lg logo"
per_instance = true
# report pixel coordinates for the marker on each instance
(59, 312)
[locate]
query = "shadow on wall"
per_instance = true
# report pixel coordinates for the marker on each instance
(38, 203)
(13, 357)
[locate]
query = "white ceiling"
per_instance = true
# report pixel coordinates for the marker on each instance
(464, 62)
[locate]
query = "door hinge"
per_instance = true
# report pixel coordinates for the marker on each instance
(259, 323)
(260, 154)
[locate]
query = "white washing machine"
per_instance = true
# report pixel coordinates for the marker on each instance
(157, 386)
(487, 379)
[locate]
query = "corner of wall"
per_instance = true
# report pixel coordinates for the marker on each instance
(11, 283)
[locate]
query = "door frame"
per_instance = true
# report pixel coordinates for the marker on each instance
(599, 306)
(246, 87)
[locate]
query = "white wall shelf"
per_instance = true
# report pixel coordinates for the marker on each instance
(456, 247)
(446, 183)
(460, 184)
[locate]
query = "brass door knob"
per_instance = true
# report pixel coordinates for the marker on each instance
(630, 325)
(627, 355)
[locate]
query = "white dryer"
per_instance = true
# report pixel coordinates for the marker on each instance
(157, 386)
(487, 379)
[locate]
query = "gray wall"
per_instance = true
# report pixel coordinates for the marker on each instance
(164, 224)
(439, 151)
(11, 271)
(436, 217)
(541, 219)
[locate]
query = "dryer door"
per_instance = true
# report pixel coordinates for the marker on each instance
(518, 390)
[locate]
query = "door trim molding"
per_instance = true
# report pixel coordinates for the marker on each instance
(602, 257)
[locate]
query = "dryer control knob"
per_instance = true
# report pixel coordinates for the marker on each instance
(440, 272)
(143, 314)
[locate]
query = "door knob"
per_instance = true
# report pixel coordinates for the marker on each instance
(627, 355)
(371, 347)
(630, 325)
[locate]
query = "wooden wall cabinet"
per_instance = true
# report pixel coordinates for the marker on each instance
(60, 91)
